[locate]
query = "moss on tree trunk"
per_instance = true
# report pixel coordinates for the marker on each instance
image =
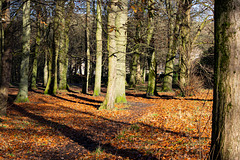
(110, 98)
(121, 40)
(225, 142)
(23, 85)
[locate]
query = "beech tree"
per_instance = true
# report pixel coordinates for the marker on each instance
(87, 63)
(57, 45)
(109, 100)
(226, 103)
(185, 50)
(135, 67)
(151, 88)
(36, 52)
(173, 30)
(98, 70)
(23, 85)
(121, 40)
(62, 54)
(6, 55)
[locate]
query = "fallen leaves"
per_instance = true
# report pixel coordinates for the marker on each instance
(70, 126)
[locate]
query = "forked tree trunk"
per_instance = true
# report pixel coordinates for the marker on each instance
(52, 84)
(23, 86)
(226, 103)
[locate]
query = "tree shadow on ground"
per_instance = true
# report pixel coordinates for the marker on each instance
(86, 140)
(84, 98)
(197, 99)
(82, 138)
(142, 95)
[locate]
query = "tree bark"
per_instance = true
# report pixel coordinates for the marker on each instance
(62, 58)
(109, 100)
(6, 57)
(121, 39)
(48, 89)
(151, 88)
(226, 104)
(168, 77)
(87, 63)
(23, 86)
(185, 47)
(98, 70)
(133, 71)
(38, 39)
(45, 69)
(54, 49)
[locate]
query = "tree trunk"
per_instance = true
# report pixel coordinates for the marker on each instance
(98, 70)
(54, 50)
(6, 58)
(226, 104)
(45, 69)
(121, 39)
(109, 100)
(50, 76)
(173, 24)
(168, 75)
(87, 63)
(62, 58)
(151, 88)
(133, 71)
(38, 39)
(23, 86)
(185, 49)
(1, 36)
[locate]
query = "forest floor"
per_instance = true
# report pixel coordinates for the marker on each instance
(70, 126)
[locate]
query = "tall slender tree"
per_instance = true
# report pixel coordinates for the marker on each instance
(173, 27)
(151, 88)
(64, 46)
(185, 47)
(23, 85)
(135, 72)
(225, 144)
(121, 40)
(98, 70)
(62, 58)
(88, 56)
(36, 52)
(57, 45)
(109, 100)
